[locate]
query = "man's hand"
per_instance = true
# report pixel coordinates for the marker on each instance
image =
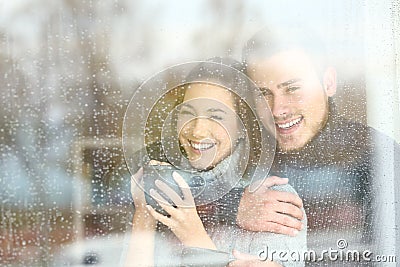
(267, 210)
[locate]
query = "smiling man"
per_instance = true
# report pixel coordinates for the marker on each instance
(328, 159)
(296, 95)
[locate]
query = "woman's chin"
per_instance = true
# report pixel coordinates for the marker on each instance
(201, 166)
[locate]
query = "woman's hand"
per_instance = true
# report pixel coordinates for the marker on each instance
(141, 244)
(142, 217)
(184, 221)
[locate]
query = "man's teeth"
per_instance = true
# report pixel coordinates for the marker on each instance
(289, 124)
(201, 146)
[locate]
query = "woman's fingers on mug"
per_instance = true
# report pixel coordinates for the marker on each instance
(162, 202)
(164, 219)
(169, 192)
(136, 179)
(187, 194)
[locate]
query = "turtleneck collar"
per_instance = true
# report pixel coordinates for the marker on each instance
(229, 170)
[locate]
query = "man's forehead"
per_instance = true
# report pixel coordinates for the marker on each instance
(293, 56)
(286, 65)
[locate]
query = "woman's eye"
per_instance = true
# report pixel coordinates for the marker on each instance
(186, 112)
(215, 117)
(266, 92)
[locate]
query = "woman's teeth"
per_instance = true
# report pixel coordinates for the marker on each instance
(289, 124)
(201, 146)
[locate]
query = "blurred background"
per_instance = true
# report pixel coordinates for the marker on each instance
(68, 69)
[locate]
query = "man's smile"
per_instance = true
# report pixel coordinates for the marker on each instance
(288, 126)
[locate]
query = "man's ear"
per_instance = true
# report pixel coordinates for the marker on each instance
(329, 81)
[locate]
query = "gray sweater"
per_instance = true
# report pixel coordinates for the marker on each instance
(229, 237)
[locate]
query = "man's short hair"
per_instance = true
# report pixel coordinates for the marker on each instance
(270, 41)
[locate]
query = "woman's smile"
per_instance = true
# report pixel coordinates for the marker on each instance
(201, 146)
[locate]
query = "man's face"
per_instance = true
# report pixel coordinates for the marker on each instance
(296, 94)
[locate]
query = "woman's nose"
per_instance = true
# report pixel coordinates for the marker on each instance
(200, 128)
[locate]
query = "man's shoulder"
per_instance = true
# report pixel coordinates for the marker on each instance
(347, 137)
(362, 136)
(348, 129)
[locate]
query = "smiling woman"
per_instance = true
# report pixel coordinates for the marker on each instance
(208, 126)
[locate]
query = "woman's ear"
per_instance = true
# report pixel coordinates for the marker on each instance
(329, 81)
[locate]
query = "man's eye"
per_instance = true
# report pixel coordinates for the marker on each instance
(291, 89)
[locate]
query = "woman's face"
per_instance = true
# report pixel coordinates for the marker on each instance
(208, 126)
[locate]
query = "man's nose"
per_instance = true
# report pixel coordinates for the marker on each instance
(279, 106)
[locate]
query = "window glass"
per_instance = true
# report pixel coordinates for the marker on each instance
(69, 69)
